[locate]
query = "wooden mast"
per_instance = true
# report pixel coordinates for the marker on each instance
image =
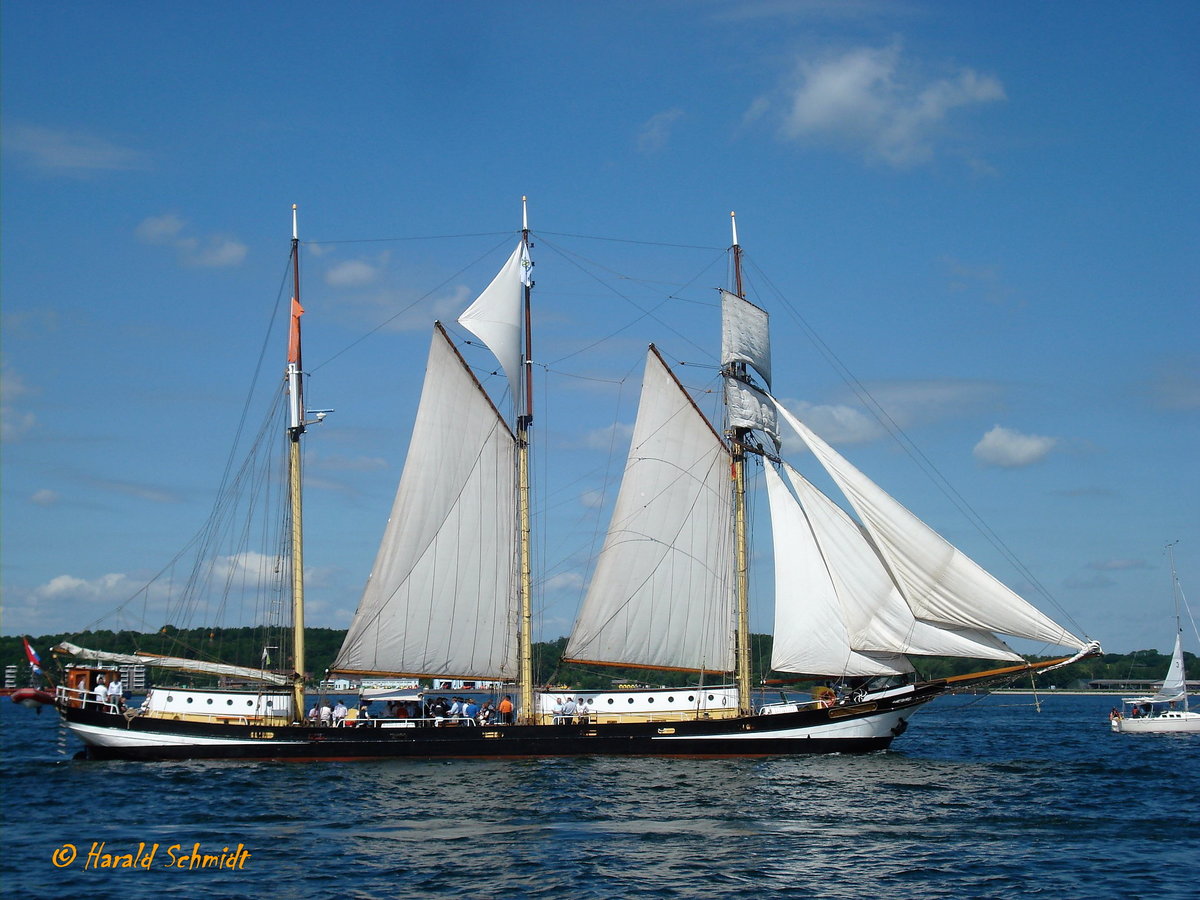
(742, 653)
(294, 430)
(528, 715)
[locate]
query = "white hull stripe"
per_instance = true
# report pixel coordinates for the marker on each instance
(100, 736)
(878, 726)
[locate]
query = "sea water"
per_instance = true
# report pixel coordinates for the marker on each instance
(983, 797)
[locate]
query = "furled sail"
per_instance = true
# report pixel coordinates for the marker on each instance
(745, 336)
(748, 407)
(875, 614)
(661, 593)
(940, 584)
(175, 662)
(495, 316)
(441, 596)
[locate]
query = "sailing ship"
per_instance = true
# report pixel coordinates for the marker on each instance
(449, 595)
(1165, 711)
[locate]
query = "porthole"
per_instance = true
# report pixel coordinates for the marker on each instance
(249, 702)
(190, 699)
(270, 703)
(170, 699)
(649, 699)
(671, 699)
(611, 701)
(711, 698)
(691, 698)
(631, 700)
(229, 702)
(209, 701)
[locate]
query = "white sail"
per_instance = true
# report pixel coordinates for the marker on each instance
(1174, 686)
(938, 581)
(661, 594)
(175, 662)
(876, 616)
(748, 407)
(811, 636)
(495, 316)
(441, 596)
(745, 336)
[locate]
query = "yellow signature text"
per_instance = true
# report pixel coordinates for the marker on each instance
(179, 857)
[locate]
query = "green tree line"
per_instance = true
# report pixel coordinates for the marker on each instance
(245, 646)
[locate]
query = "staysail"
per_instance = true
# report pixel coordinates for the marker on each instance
(811, 635)
(495, 316)
(940, 584)
(851, 573)
(661, 593)
(441, 596)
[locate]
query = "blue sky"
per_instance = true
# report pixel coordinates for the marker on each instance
(986, 212)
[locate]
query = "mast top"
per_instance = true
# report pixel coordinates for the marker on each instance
(295, 229)
(733, 224)
(524, 213)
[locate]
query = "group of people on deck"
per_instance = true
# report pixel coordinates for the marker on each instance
(443, 710)
(568, 711)
(469, 710)
(338, 715)
(110, 694)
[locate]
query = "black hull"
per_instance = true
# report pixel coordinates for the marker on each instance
(865, 727)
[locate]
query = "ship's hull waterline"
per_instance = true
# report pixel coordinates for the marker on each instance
(862, 727)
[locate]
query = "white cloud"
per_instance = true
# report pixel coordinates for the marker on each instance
(163, 229)
(616, 435)
(214, 251)
(352, 273)
(211, 251)
(592, 499)
(565, 581)
(249, 566)
(1011, 449)
(656, 132)
(14, 422)
(868, 98)
(113, 586)
(68, 152)
(907, 404)
(837, 423)
(45, 497)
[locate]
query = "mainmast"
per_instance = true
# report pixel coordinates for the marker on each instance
(737, 435)
(524, 423)
(294, 430)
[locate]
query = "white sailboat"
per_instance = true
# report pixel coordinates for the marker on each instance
(1165, 711)
(449, 595)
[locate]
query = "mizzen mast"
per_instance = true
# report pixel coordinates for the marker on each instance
(295, 428)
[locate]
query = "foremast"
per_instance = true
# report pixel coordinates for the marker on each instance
(295, 429)
(524, 416)
(737, 435)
